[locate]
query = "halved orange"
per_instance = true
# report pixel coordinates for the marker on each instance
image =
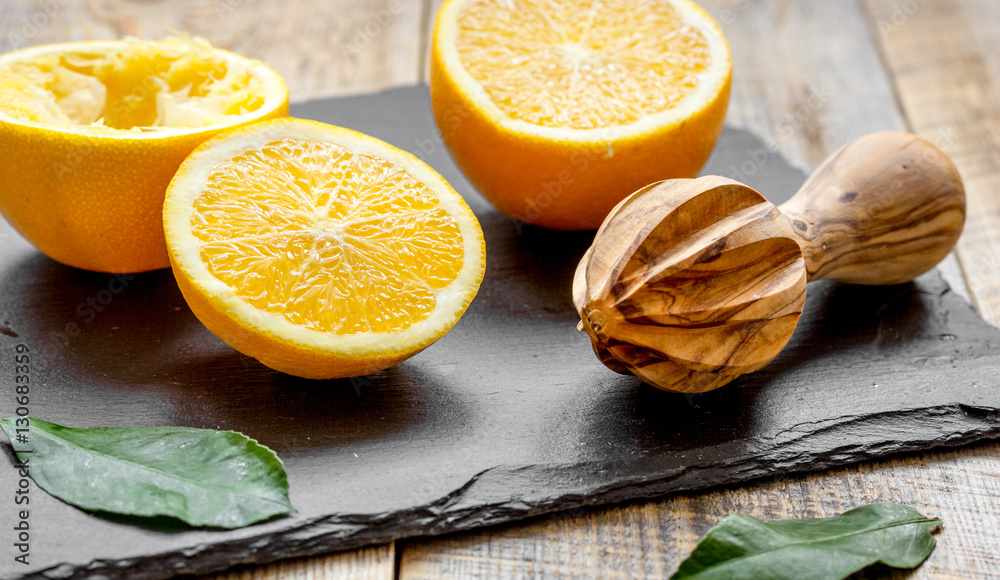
(92, 132)
(559, 109)
(320, 251)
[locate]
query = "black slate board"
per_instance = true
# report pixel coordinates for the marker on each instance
(508, 416)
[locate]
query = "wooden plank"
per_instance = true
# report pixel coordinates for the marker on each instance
(320, 48)
(944, 60)
(958, 486)
(432, 9)
(650, 540)
(808, 77)
(375, 563)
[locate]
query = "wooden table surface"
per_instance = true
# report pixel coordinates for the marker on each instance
(809, 76)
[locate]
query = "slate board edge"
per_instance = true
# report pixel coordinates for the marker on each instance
(350, 531)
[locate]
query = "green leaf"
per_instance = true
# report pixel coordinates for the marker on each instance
(205, 478)
(741, 547)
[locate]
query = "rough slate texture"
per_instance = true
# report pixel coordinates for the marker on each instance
(509, 415)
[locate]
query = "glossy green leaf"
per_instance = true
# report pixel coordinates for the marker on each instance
(741, 547)
(205, 478)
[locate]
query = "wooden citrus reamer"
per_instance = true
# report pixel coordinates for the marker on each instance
(690, 283)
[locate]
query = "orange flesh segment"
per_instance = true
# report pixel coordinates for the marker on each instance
(177, 82)
(335, 241)
(581, 64)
